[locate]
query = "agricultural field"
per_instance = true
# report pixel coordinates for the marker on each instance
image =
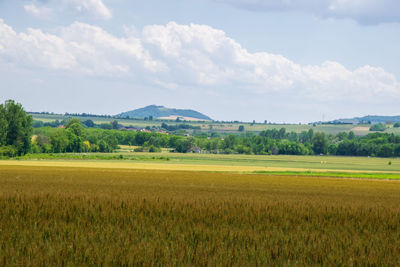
(224, 127)
(212, 162)
(113, 216)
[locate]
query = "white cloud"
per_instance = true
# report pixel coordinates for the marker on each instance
(198, 57)
(78, 48)
(95, 7)
(203, 56)
(45, 9)
(41, 12)
(363, 11)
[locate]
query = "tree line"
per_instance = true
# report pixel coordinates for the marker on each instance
(75, 138)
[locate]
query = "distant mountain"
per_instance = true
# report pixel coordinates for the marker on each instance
(164, 113)
(368, 119)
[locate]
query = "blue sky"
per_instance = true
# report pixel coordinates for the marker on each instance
(281, 61)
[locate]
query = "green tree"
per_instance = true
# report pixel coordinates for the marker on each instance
(241, 128)
(378, 127)
(89, 123)
(385, 150)
(320, 143)
(396, 125)
(114, 125)
(184, 145)
(75, 134)
(75, 126)
(15, 127)
(106, 126)
(59, 141)
(72, 121)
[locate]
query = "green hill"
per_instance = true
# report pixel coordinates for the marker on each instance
(369, 119)
(163, 112)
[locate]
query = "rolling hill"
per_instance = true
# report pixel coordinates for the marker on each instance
(369, 119)
(164, 113)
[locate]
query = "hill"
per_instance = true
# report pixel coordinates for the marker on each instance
(369, 119)
(164, 113)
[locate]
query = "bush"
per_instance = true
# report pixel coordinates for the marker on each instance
(8, 151)
(138, 149)
(379, 127)
(154, 149)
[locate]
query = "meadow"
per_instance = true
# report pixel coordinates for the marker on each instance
(104, 216)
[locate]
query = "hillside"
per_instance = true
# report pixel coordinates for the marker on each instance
(165, 113)
(369, 119)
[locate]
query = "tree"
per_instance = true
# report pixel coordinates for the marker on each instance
(385, 150)
(89, 123)
(38, 124)
(59, 141)
(106, 126)
(378, 127)
(75, 133)
(320, 143)
(114, 125)
(75, 126)
(351, 135)
(72, 121)
(15, 127)
(241, 128)
(396, 125)
(184, 145)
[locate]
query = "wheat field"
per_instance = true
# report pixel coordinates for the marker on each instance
(97, 216)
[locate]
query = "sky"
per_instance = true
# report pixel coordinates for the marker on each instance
(276, 60)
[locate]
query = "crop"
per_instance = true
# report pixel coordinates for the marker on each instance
(94, 216)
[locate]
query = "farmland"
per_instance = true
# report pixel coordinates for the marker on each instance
(212, 162)
(92, 195)
(223, 127)
(94, 216)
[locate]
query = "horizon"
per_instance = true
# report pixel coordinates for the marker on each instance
(281, 62)
(203, 113)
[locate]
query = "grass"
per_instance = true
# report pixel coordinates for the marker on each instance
(357, 175)
(97, 216)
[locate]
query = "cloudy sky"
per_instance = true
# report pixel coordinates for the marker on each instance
(275, 60)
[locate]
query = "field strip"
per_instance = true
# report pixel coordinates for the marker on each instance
(163, 166)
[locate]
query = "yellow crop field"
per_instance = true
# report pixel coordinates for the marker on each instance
(120, 216)
(169, 166)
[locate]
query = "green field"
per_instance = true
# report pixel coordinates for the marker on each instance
(102, 216)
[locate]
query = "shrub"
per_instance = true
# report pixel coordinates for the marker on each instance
(138, 149)
(378, 127)
(8, 151)
(154, 149)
